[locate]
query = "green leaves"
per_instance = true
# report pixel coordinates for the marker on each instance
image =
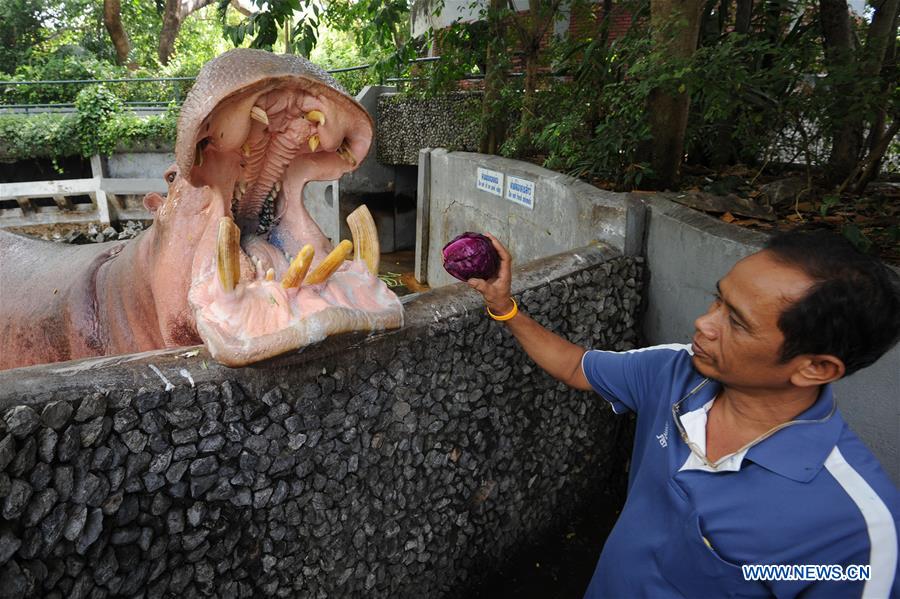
(98, 128)
(95, 106)
(855, 236)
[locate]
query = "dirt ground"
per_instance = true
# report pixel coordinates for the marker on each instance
(559, 566)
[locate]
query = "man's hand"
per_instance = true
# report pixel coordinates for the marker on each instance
(496, 291)
(558, 357)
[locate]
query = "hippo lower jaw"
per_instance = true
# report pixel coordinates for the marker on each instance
(245, 319)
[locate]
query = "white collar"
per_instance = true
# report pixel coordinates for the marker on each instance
(694, 424)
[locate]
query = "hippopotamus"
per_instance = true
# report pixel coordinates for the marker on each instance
(232, 258)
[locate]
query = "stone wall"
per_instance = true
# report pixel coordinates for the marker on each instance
(405, 124)
(390, 465)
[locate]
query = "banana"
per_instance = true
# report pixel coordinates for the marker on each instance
(330, 264)
(228, 253)
(298, 268)
(365, 238)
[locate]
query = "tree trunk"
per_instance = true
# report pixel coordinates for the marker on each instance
(169, 33)
(881, 37)
(742, 16)
(709, 25)
(876, 154)
(723, 15)
(112, 18)
(174, 14)
(530, 39)
(492, 118)
(529, 99)
(846, 130)
(675, 29)
(879, 139)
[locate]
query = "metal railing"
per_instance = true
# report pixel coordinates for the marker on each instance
(152, 106)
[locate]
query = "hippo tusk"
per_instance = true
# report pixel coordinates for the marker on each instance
(330, 264)
(228, 256)
(345, 153)
(299, 267)
(313, 143)
(365, 237)
(316, 116)
(258, 114)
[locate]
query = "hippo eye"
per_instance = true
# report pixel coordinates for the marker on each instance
(170, 177)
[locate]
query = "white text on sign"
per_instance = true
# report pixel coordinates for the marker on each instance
(520, 191)
(490, 181)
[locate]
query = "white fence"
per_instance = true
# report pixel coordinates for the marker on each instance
(98, 199)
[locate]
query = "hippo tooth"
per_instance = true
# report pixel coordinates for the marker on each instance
(228, 248)
(258, 114)
(270, 274)
(345, 153)
(246, 149)
(365, 237)
(299, 267)
(313, 143)
(330, 264)
(277, 186)
(315, 116)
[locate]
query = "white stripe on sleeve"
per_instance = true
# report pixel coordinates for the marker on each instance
(879, 522)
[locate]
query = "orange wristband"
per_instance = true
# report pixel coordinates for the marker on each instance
(508, 315)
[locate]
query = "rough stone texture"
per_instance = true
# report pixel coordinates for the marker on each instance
(395, 465)
(406, 124)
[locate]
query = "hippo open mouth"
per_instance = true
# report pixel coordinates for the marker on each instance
(254, 130)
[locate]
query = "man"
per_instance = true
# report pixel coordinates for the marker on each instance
(740, 455)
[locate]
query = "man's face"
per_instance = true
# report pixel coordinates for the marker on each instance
(738, 342)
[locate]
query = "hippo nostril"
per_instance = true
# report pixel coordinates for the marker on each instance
(198, 154)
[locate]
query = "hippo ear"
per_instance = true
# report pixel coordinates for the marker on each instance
(152, 202)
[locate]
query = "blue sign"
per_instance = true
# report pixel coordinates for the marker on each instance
(490, 181)
(520, 191)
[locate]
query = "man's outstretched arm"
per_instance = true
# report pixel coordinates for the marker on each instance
(560, 358)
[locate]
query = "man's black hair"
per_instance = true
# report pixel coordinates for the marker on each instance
(853, 309)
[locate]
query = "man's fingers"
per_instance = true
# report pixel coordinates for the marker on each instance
(477, 284)
(501, 250)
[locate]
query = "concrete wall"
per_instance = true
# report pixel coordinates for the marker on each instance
(138, 165)
(567, 213)
(372, 176)
(687, 252)
(401, 464)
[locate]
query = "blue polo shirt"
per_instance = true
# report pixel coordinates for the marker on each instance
(811, 493)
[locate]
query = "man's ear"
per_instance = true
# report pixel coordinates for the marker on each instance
(152, 202)
(819, 369)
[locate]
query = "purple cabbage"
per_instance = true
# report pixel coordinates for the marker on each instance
(471, 256)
